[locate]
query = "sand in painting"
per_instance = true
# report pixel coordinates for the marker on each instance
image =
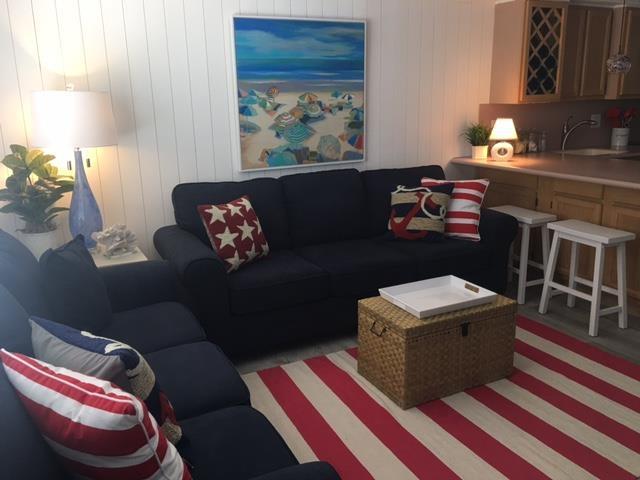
(300, 91)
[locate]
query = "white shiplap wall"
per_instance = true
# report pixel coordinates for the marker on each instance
(167, 66)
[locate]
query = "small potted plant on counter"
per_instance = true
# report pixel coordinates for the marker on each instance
(31, 193)
(477, 135)
(621, 122)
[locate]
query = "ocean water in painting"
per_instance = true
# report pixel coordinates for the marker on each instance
(300, 91)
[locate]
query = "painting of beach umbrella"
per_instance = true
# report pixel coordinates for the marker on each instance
(313, 111)
(272, 92)
(283, 121)
(347, 97)
(336, 94)
(356, 114)
(297, 133)
(356, 141)
(254, 93)
(308, 97)
(248, 100)
(248, 128)
(242, 93)
(247, 111)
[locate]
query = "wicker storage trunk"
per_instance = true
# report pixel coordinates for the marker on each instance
(414, 360)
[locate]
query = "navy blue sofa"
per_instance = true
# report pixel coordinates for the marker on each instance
(225, 437)
(329, 247)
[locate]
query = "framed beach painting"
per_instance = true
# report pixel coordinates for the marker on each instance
(300, 87)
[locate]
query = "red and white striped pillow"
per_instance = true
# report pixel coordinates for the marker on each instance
(99, 431)
(463, 213)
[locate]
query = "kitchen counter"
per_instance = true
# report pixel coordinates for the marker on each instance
(603, 170)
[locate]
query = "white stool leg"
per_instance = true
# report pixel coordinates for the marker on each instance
(622, 285)
(510, 265)
(524, 262)
(596, 293)
(548, 274)
(573, 266)
(544, 233)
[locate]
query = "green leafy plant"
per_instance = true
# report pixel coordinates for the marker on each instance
(477, 134)
(33, 189)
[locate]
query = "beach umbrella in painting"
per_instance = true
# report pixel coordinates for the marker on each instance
(347, 96)
(282, 121)
(297, 133)
(272, 92)
(297, 112)
(356, 141)
(336, 94)
(248, 128)
(356, 114)
(247, 111)
(242, 93)
(313, 110)
(308, 97)
(249, 100)
(254, 93)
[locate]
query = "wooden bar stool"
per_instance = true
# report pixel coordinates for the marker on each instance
(527, 219)
(598, 237)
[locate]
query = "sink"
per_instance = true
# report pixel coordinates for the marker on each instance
(593, 152)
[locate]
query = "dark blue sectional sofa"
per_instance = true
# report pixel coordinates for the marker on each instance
(225, 437)
(329, 247)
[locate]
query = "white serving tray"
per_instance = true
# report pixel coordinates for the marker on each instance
(437, 295)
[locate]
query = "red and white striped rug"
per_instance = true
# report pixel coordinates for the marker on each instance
(569, 411)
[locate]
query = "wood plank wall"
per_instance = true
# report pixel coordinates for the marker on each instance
(167, 67)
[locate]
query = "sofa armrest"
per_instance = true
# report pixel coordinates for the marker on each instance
(306, 471)
(134, 285)
(497, 229)
(200, 271)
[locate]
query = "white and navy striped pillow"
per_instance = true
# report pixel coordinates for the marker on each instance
(463, 213)
(98, 430)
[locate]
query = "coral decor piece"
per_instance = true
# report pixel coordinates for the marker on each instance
(621, 118)
(115, 241)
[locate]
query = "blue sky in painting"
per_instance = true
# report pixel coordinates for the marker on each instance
(300, 50)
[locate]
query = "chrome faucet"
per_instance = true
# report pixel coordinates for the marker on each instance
(567, 129)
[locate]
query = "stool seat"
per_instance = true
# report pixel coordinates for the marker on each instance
(524, 215)
(590, 231)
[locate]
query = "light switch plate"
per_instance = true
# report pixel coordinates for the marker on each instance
(596, 117)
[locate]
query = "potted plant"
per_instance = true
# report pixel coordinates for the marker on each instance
(477, 135)
(620, 120)
(31, 193)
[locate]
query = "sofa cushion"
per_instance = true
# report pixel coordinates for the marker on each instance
(282, 279)
(99, 430)
(24, 452)
(235, 443)
(20, 274)
(325, 206)
(359, 267)
(418, 213)
(266, 198)
(449, 257)
(105, 359)
(378, 186)
(235, 232)
(154, 327)
(198, 378)
(15, 333)
(75, 289)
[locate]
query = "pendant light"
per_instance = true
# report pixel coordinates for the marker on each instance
(619, 62)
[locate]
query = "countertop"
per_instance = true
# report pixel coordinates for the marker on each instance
(603, 170)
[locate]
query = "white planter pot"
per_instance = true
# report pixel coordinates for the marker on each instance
(480, 152)
(619, 138)
(38, 243)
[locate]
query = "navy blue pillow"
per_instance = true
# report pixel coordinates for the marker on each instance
(74, 287)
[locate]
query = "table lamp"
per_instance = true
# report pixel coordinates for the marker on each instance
(74, 119)
(503, 130)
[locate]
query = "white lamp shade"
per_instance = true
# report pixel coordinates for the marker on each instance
(503, 129)
(70, 119)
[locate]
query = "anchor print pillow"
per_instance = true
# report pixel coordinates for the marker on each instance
(418, 213)
(235, 232)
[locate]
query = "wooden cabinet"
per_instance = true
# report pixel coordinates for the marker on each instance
(587, 45)
(528, 46)
(628, 85)
(590, 202)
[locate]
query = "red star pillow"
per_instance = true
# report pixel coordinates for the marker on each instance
(235, 232)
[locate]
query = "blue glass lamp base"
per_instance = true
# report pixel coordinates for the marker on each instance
(84, 213)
